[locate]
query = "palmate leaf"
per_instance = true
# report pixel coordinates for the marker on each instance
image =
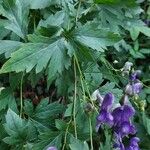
(7, 100)
(8, 46)
(45, 110)
(128, 2)
(54, 54)
(20, 131)
(39, 55)
(17, 12)
(76, 144)
(146, 123)
(92, 36)
(36, 4)
(107, 145)
(3, 32)
(48, 138)
(16, 128)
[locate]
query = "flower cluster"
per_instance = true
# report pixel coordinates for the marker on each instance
(134, 86)
(119, 118)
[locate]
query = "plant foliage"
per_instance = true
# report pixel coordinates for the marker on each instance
(54, 55)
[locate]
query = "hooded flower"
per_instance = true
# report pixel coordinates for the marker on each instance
(135, 75)
(133, 144)
(126, 128)
(105, 116)
(107, 101)
(123, 127)
(122, 114)
(134, 88)
(118, 142)
(137, 87)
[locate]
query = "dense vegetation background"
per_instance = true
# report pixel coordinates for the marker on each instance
(54, 55)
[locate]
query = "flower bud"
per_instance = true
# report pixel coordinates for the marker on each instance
(127, 66)
(128, 90)
(51, 148)
(135, 75)
(97, 96)
(137, 87)
(88, 107)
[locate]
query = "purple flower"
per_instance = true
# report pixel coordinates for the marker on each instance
(118, 142)
(137, 87)
(51, 148)
(133, 144)
(135, 75)
(105, 116)
(147, 22)
(134, 88)
(122, 114)
(126, 128)
(107, 101)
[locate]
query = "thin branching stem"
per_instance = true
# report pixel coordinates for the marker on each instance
(81, 76)
(66, 133)
(91, 133)
(82, 83)
(75, 99)
(78, 9)
(21, 97)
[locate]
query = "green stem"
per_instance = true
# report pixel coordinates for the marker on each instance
(66, 133)
(81, 76)
(91, 133)
(75, 99)
(21, 97)
(82, 84)
(78, 11)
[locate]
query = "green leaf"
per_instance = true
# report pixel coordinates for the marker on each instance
(17, 12)
(60, 125)
(78, 145)
(93, 76)
(3, 32)
(128, 2)
(39, 55)
(16, 128)
(53, 20)
(146, 122)
(7, 100)
(8, 47)
(107, 145)
(145, 51)
(45, 110)
(134, 33)
(48, 138)
(96, 38)
(57, 142)
(14, 79)
(110, 87)
(145, 30)
(28, 108)
(36, 4)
